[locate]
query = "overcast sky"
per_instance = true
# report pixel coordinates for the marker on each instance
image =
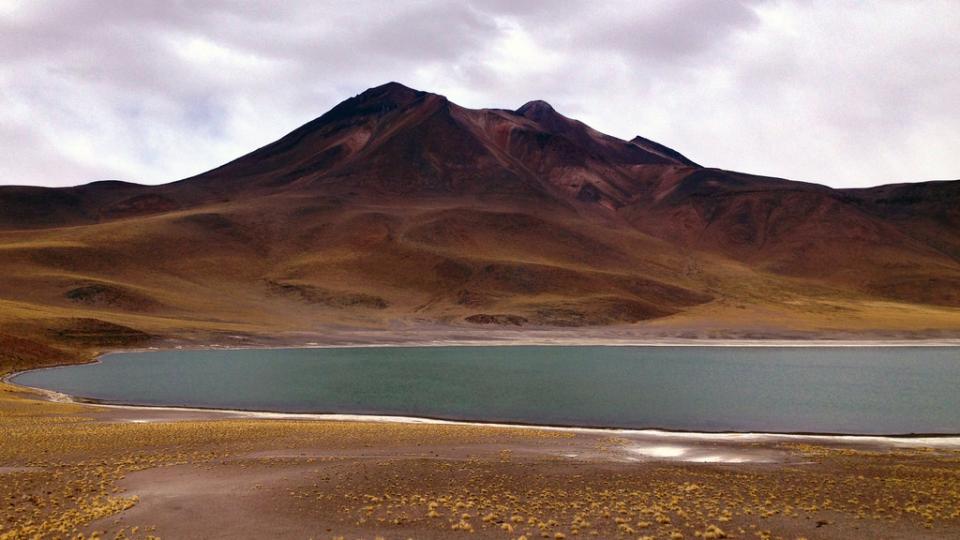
(846, 93)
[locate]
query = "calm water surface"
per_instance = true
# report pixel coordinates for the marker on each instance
(883, 390)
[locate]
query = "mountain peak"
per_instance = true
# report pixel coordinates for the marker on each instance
(375, 101)
(536, 109)
(391, 92)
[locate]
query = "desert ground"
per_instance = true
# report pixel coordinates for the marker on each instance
(73, 470)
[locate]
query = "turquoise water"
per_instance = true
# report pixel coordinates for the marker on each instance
(862, 390)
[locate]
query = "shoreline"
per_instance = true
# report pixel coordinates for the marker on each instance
(939, 440)
(563, 342)
(906, 440)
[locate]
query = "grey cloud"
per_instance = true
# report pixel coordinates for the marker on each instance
(847, 93)
(667, 30)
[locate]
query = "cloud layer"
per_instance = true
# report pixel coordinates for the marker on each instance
(845, 93)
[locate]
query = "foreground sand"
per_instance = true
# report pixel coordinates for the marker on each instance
(68, 469)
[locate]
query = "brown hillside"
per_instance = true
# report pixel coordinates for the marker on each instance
(400, 207)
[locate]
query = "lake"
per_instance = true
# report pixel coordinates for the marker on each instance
(856, 390)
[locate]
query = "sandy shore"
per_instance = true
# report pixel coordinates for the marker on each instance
(138, 472)
(546, 338)
(144, 414)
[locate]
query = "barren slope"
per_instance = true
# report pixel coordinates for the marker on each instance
(400, 207)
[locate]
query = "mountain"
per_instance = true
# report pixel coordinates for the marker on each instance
(399, 207)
